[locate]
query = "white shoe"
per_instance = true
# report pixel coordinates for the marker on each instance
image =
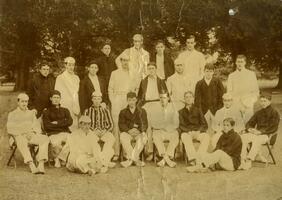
(57, 163)
(91, 172)
(246, 165)
(139, 163)
(40, 167)
(195, 168)
(33, 168)
(126, 163)
(104, 169)
(111, 164)
(161, 163)
(169, 162)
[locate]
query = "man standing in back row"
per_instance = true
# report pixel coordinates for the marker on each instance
(193, 60)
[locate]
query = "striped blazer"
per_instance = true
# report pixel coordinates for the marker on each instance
(100, 118)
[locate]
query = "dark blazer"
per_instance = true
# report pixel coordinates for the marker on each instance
(86, 88)
(143, 89)
(39, 91)
(128, 120)
(168, 63)
(209, 97)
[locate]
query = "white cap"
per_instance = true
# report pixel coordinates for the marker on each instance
(69, 60)
(227, 96)
(178, 61)
(96, 94)
(23, 96)
(84, 119)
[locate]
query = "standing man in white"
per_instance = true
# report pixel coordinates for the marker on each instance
(178, 84)
(120, 84)
(138, 58)
(193, 61)
(242, 84)
(67, 84)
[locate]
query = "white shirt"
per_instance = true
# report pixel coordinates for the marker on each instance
(68, 85)
(152, 92)
(163, 117)
(160, 66)
(243, 86)
(95, 82)
(20, 122)
(177, 85)
(138, 60)
(223, 113)
(121, 83)
(194, 62)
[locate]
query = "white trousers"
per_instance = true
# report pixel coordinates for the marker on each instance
(159, 136)
(106, 153)
(56, 141)
(132, 153)
(118, 104)
(220, 157)
(83, 163)
(41, 140)
(256, 140)
(187, 139)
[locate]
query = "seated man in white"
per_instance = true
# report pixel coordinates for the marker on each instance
(23, 125)
(193, 126)
(83, 149)
(56, 121)
(262, 124)
(227, 111)
(102, 126)
(227, 152)
(133, 124)
(164, 121)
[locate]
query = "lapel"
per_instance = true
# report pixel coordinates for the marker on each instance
(90, 84)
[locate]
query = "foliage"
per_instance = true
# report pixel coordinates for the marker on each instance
(36, 30)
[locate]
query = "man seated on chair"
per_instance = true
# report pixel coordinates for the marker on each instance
(133, 124)
(164, 123)
(56, 122)
(83, 149)
(226, 155)
(259, 128)
(23, 125)
(102, 125)
(193, 126)
(228, 110)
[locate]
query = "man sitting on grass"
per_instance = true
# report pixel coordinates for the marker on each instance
(227, 152)
(84, 149)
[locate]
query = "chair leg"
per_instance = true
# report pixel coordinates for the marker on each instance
(185, 158)
(12, 155)
(271, 154)
(121, 154)
(154, 153)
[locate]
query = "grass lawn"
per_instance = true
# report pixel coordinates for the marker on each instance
(152, 183)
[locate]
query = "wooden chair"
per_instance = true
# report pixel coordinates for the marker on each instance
(13, 147)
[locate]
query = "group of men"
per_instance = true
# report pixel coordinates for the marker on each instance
(158, 105)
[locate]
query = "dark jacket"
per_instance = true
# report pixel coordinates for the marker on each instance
(128, 120)
(61, 115)
(106, 65)
(266, 120)
(39, 91)
(192, 120)
(168, 63)
(86, 88)
(143, 89)
(231, 144)
(209, 97)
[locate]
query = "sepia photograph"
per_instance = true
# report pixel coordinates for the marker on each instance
(141, 100)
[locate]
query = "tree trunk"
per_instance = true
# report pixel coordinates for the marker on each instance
(279, 85)
(22, 74)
